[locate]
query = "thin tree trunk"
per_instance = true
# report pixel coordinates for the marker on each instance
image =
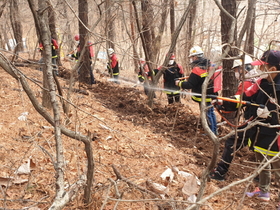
(52, 25)
(16, 25)
(85, 63)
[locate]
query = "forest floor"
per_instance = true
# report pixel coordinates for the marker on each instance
(139, 141)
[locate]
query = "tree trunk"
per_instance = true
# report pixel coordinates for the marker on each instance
(2, 7)
(52, 25)
(249, 48)
(16, 25)
(85, 62)
(147, 17)
(172, 19)
(190, 34)
(110, 26)
(133, 39)
(228, 36)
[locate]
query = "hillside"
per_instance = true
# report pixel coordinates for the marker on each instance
(139, 141)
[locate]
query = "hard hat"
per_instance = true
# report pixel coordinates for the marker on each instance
(142, 60)
(172, 57)
(196, 51)
(248, 59)
(111, 51)
(238, 62)
(77, 37)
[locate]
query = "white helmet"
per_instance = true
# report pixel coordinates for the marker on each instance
(238, 62)
(248, 59)
(111, 51)
(196, 50)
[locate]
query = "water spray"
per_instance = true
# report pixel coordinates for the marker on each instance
(183, 92)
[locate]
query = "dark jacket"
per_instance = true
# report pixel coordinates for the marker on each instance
(265, 136)
(199, 72)
(170, 74)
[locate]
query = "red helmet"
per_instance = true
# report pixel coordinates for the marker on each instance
(172, 56)
(77, 37)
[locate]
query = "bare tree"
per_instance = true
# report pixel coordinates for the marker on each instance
(190, 32)
(228, 33)
(85, 62)
(16, 24)
(110, 24)
(52, 25)
(248, 28)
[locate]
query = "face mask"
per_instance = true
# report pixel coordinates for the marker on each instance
(170, 62)
(77, 42)
(237, 75)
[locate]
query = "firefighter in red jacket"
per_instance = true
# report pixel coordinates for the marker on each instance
(143, 74)
(200, 67)
(113, 65)
(77, 54)
(54, 46)
(170, 75)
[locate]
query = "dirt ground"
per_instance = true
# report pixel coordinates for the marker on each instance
(141, 142)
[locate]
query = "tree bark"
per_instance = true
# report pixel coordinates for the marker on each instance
(85, 62)
(52, 25)
(16, 25)
(228, 32)
(110, 25)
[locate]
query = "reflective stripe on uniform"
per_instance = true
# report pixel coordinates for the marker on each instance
(265, 151)
(168, 92)
(198, 99)
(237, 104)
(204, 74)
(249, 142)
(116, 74)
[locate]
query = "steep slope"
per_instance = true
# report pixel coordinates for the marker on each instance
(139, 141)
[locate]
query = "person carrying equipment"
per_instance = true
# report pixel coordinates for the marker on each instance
(266, 141)
(200, 67)
(242, 138)
(171, 73)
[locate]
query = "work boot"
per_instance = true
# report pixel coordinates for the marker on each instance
(217, 175)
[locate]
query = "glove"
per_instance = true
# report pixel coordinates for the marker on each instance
(263, 112)
(69, 55)
(217, 102)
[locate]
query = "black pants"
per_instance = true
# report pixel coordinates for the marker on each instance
(241, 141)
(92, 80)
(173, 98)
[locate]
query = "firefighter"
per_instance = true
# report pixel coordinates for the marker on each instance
(77, 53)
(246, 86)
(113, 65)
(171, 73)
(267, 140)
(54, 46)
(200, 67)
(143, 74)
